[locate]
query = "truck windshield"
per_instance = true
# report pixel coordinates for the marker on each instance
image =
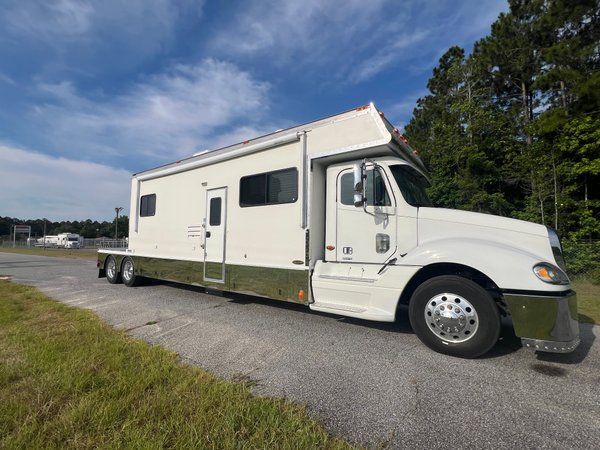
(412, 185)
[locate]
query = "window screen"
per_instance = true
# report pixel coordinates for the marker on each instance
(269, 188)
(215, 212)
(377, 194)
(148, 205)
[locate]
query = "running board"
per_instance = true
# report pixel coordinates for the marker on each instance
(338, 307)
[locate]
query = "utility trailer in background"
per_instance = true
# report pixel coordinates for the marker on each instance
(333, 214)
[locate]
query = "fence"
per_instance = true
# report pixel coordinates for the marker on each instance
(583, 259)
(105, 243)
(87, 243)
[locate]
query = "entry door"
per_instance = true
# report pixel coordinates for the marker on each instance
(214, 237)
(365, 237)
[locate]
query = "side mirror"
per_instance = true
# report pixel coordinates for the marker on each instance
(359, 193)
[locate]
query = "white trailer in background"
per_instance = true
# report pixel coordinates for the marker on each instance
(334, 214)
(69, 240)
(62, 240)
(49, 241)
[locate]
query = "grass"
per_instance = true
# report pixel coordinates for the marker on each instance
(588, 301)
(83, 253)
(67, 380)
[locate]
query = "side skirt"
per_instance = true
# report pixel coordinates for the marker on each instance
(279, 284)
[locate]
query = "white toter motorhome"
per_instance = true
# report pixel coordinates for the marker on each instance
(69, 240)
(334, 214)
(62, 240)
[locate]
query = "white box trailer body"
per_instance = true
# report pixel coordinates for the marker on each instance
(276, 216)
(47, 241)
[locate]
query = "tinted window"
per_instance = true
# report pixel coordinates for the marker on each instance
(282, 187)
(148, 205)
(347, 189)
(215, 211)
(377, 194)
(412, 184)
(253, 190)
(269, 188)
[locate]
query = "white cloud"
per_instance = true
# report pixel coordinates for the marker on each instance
(7, 79)
(388, 54)
(44, 19)
(33, 185)
(308, 29)
(164, 117)
(351, 40)
(105, 30)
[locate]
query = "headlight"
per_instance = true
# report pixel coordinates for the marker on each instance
(550, 274)
(556, 249)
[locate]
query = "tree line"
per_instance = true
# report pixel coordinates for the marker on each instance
(514, 128)
(86, 228)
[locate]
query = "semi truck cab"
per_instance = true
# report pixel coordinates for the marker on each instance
(458, 272)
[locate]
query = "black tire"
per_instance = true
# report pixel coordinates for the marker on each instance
(128, 273)
(112, 272)
(454, 316)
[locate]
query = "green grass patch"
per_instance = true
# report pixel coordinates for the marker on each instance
(68, 380)
(588, 301)
(82, 253)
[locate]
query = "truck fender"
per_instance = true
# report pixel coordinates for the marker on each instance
(508, 267)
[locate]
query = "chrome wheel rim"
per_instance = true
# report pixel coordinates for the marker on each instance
(451, 317)
(111, 268)
(128, 270)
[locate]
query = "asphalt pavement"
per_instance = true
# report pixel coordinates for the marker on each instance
(373, 384)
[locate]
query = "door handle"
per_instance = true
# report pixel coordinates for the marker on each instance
(208, 234)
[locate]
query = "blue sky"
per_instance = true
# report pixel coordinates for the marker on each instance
(92, 91)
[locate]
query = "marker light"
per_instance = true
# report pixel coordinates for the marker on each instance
(550, 274)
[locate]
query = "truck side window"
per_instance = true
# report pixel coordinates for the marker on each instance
(271, 188)
(412, 184)
(377, 194)
(148, 205)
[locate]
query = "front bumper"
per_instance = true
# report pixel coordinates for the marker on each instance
(545, 323)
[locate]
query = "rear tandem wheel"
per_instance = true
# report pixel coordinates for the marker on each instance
(128, 273)
(112, 273)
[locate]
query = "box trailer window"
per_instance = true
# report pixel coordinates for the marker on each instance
(214, 218)
(148, 205)
(377, 194)
(269, 188)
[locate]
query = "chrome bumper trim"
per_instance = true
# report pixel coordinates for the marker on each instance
(546, 321)
(550, 346)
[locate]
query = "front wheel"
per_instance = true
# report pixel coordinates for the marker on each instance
(455, 316)
(128, 273)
